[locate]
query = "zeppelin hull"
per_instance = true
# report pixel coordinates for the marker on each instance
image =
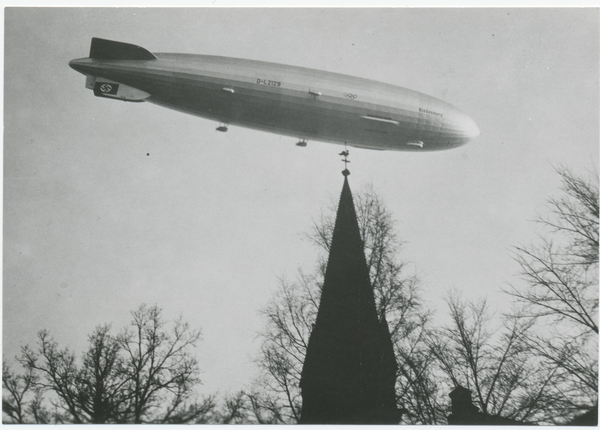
(293, 101)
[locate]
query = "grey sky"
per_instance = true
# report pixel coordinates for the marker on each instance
(206, 223)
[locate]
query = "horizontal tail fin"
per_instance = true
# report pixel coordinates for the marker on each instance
(103, 49)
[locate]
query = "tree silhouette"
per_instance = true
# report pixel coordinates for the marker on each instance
(145, 374)
(22, 400)
(561, 290)
(493, 361)
(159, 368)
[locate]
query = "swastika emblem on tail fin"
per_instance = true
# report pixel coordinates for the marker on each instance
(102, 88)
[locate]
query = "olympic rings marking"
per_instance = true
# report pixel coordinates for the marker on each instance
(350, 96)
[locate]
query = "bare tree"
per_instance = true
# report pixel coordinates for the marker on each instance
(495, 363)
(21, 399)
(234, 409)
(100, 381)
(16, 388)
(561, 290)
(58, 372)
(196, 411)
(90, 393)
(147, 374)
(247, 407)
(290, 316)
(418, 386)
(264, 408)
(159, 368)
(291, 313)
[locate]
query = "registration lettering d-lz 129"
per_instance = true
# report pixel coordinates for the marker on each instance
(268, 82)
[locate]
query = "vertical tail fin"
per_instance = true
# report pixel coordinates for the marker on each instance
(103, 49)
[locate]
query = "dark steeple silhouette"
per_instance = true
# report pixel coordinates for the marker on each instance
(350, 369)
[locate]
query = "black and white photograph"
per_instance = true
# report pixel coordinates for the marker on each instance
(300, 215)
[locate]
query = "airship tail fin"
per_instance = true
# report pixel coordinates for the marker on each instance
(103, 49)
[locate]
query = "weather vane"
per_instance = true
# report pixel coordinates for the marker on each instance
(345, 153)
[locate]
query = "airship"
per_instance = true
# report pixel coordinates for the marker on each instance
(302, 103)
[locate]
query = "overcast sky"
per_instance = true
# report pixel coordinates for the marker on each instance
(108, 205)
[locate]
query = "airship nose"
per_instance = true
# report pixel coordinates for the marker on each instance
(470, 129)
(461, 126)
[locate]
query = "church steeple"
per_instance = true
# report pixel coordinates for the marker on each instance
(349, 371)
